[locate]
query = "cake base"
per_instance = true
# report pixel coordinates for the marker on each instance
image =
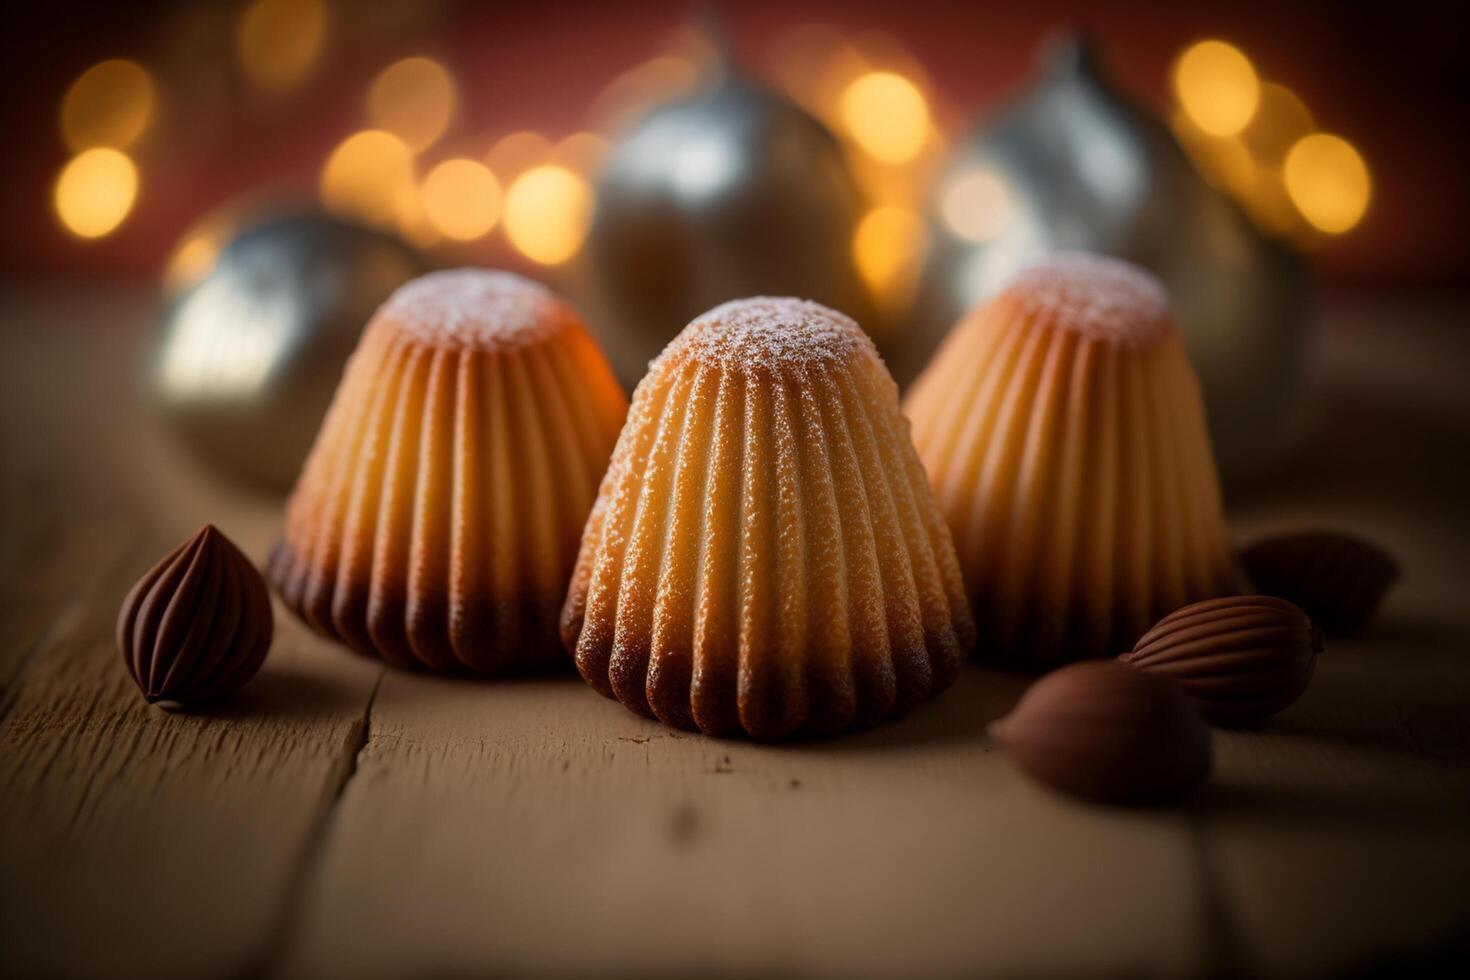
(432, 631)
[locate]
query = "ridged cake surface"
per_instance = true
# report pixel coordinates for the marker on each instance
(764, 557)
(1062, 428)
(436, 520)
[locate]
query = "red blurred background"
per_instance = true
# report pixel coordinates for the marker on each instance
(1389, 77)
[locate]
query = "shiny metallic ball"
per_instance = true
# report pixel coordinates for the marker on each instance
(732, 192)
(1076, 165)
(249, 356)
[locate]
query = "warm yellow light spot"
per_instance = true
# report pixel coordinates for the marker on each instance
(887, 115)
(95, 191)
(1234, 166)
(190, 262)
(366, 175)
(1222, 160)
(547, 211)
(278, 41)
(110, 104)
(414, 99)
(1280, 120)
(976, 205)
(887, 245)
(581, 153)
(411, 221)
(1217, 86)
(461, 199)
(196, 253)
(1270, 205)
(880, 183)
(842, 66)
(514, 154)
(1328, 182)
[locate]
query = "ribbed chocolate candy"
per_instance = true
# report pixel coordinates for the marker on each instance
(1336, 578)
(198, 624)
(1106, 732)
(1242, 658)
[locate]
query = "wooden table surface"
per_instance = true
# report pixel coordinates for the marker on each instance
(340, 819)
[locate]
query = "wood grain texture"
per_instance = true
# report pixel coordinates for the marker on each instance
(134, 842)
(449, 828)
(538, 829)
(169, 843)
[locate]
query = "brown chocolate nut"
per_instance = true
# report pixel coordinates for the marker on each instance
(1337, 579)
(198, 624)
(1242, 658)
(1106, 732)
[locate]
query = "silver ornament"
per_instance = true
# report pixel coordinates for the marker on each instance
(1079, 166)
(732, 192)
(249, 356)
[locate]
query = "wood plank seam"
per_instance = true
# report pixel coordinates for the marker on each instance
(1221, 952)
(293, 900)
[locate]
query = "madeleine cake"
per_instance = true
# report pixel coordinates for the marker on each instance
(764, 556)
(1062, 429)
(437, 518)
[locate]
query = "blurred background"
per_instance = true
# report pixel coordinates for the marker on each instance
(243, 159)
(214, 99)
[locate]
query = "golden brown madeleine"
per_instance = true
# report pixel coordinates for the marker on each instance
(764, 556)
(437, 518)
(1063, 432)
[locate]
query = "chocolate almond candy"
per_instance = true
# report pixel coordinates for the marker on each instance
(1337, 579)
(1242, 658)
(198, 624)
(1105, 732)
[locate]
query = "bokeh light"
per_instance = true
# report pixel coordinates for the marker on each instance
(656, 80)
(1328, 182)
(110, 104)
(414, 99)
(190, 262)
(800, 58)
(1270, 206)
(1225, 161)
(1217, 86)
(547, 211)
(515, 153)
(196, 253)
(887, 115)
(1279, 121)
(975, 205)
(461, 199)
(582, 153)
(410, 219)
(278, 41)
(886, 246)
(367, 176)
(95, 191)
(815, 64)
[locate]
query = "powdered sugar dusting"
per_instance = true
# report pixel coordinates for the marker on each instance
(771, 332)
(1095, 294)
(476, 307)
